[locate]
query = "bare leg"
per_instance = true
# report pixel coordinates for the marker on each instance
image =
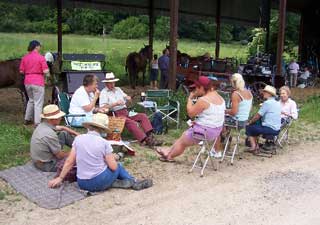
(178, 147)
(253, 142)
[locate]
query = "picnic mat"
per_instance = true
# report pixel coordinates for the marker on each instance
(33, 184)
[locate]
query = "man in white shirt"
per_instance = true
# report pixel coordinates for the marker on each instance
(114, 99)
(83, 101)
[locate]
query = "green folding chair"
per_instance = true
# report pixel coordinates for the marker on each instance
(163, 103)
(64, 105)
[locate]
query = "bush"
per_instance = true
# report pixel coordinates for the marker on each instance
(130, 28)
(162, 28)
(258, 40)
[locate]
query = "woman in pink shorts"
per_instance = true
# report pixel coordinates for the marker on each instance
(208, 112)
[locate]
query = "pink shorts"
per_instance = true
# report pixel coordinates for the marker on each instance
(197, 133)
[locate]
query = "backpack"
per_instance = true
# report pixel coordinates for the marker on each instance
(157, 123)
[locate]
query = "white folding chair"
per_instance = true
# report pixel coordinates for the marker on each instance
(205, 148)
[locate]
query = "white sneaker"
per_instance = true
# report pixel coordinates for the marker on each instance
(215, 154)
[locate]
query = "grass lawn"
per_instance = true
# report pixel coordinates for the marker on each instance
(14, 45)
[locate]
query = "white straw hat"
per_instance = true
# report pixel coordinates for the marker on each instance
(99, 120)
(110, 78)
(269, 89)
(52, 112)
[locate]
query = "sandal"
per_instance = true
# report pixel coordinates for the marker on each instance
(164, 159)
(159, 152)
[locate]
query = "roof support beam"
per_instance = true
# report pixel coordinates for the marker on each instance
(268, 16)
(59, 24)
(174, 16)
(151, 26)
(218, 24)
(281, 32)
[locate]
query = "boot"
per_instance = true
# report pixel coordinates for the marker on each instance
(142, 184)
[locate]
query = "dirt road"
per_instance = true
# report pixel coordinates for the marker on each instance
(283, 190)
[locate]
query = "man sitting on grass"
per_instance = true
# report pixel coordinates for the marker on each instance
(46, 144)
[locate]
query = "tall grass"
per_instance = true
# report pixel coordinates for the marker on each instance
(310, 110)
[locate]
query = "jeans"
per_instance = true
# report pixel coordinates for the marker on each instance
(104, 180)
(77, 121)
(164, 79)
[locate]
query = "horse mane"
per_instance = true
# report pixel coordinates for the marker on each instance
(10, 60)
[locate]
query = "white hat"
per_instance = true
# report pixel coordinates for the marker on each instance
(110, 78)
(271, 90)
(52, 112)
(99, 120)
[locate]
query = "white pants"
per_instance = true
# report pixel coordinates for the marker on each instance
(35, 103)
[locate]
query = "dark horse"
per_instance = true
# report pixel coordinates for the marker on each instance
(11, 77)
(137, 62)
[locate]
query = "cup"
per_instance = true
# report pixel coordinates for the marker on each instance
(143, 96)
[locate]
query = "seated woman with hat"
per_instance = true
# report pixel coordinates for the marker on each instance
(97, 169)
(114, 99)
(270, 116)
(209, 113)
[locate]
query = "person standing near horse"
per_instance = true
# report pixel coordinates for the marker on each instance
(164, 68)
(154, 72)
(34, 67)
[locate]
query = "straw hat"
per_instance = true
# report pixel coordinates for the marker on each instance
(52, 112)
(99, 120)
(110, 78)
(271, 90)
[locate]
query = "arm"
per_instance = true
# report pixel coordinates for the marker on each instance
(111, 162)
(294, 111)
(194, 109)
(61, 154)
(235, 100)
(71, 160)
(70, 131)
(91, 106)
(254, 119)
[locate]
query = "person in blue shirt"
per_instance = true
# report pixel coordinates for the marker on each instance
(163, 63)
(270, 116)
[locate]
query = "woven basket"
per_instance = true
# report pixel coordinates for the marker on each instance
(116, 125)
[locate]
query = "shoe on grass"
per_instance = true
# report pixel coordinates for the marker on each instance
(142, 184)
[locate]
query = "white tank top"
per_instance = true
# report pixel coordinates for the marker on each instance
(213, 116)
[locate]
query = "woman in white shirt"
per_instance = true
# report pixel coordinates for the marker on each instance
(288, 106)
(209, 111)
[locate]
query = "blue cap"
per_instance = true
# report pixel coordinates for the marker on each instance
(33, 44)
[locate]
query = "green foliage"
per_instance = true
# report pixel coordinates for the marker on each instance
(310, 110)
(258, 40)
(130, 28)
(162, 28)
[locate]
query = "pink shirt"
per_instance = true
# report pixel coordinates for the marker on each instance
(32, 66)
(289, 107)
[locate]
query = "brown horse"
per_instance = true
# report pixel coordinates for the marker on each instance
(11, 77)
(137, 62)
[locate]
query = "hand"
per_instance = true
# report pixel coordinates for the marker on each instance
(103, 110)
(120, 102)
(128, 98)
(55, 182)
(97, 93)
(192, 95)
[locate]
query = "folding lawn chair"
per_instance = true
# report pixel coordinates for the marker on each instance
(163, 103)
(64, 105)
(233, 130)
(205, 148)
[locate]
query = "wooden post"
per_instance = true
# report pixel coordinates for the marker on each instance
(281, 32)
(151, 23)
(301, 39)
(174, 15)
(268, 17)
(59, 24)
(218, 17)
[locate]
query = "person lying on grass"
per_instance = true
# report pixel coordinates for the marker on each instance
(209, 113)
(48, 139)
(97, 169)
